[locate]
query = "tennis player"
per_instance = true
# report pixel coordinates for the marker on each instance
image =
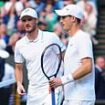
(29, 49)
(78, 79)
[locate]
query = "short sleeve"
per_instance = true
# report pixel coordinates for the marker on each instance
(85, 47)
(18, 58)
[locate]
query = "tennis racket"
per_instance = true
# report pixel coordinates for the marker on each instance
(51, 59)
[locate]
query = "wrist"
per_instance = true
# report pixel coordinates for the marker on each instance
(67, 78)
(19, 83)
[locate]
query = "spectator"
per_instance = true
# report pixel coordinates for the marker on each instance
(12, 41)
(8, 74)
(1, 68)
(3, 44)
(99, 78)
(11, 16)
(38, 5)
(20, 28)
(42, 16)
(90, 23)
(61, 3)
(4, 38)
(1, 4)
(51, 18)
(42, 25)
(67, 2)
(83, 3)
(60, 32)
(58, 4)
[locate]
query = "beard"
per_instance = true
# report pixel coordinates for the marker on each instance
(32, 28)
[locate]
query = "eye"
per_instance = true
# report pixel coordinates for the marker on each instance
(29, 19)
(23, 20)
(63, 17)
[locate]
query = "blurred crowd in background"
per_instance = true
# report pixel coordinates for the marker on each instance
(11, 30)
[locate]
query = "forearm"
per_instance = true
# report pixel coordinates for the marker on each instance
(83, 70)
(19, 79)
(18, 74)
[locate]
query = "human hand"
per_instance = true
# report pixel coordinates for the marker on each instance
(20, 89)
(55, 82)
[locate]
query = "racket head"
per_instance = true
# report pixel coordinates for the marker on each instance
(51, 59)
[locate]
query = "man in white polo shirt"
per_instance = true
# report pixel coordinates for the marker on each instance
(29, 50)
(78, 79)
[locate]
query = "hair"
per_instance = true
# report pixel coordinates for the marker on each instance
(78, 20)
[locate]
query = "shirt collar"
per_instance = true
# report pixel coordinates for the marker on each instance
(39, 37)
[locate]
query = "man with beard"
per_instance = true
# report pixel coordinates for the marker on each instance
(29, 50)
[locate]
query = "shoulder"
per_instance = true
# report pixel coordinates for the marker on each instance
(83, 36)
(96, 70)
(48, 33)
(21, 41)
(51, 35)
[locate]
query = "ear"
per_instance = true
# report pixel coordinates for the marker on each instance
(73, 18)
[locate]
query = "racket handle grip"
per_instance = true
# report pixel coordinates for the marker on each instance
(53, 96)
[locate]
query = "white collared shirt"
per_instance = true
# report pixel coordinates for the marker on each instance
(79, 47)
(30, 52)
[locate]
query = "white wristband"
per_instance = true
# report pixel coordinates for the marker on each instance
(67, 78)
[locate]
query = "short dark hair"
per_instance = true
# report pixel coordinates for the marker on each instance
(78, 20)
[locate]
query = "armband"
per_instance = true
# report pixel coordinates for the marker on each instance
(67, 78)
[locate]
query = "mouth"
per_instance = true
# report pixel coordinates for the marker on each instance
(27, 25)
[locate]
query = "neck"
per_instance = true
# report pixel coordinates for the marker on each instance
(33, 35)
(73, 30)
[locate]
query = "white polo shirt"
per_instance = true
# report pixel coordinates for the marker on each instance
(79, 47)
(30, 52)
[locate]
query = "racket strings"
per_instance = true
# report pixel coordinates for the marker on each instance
(51, 61)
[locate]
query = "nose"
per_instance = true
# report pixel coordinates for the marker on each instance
(61, 20)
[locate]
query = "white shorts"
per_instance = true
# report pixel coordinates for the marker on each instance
(78, 102)
(41, 99)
